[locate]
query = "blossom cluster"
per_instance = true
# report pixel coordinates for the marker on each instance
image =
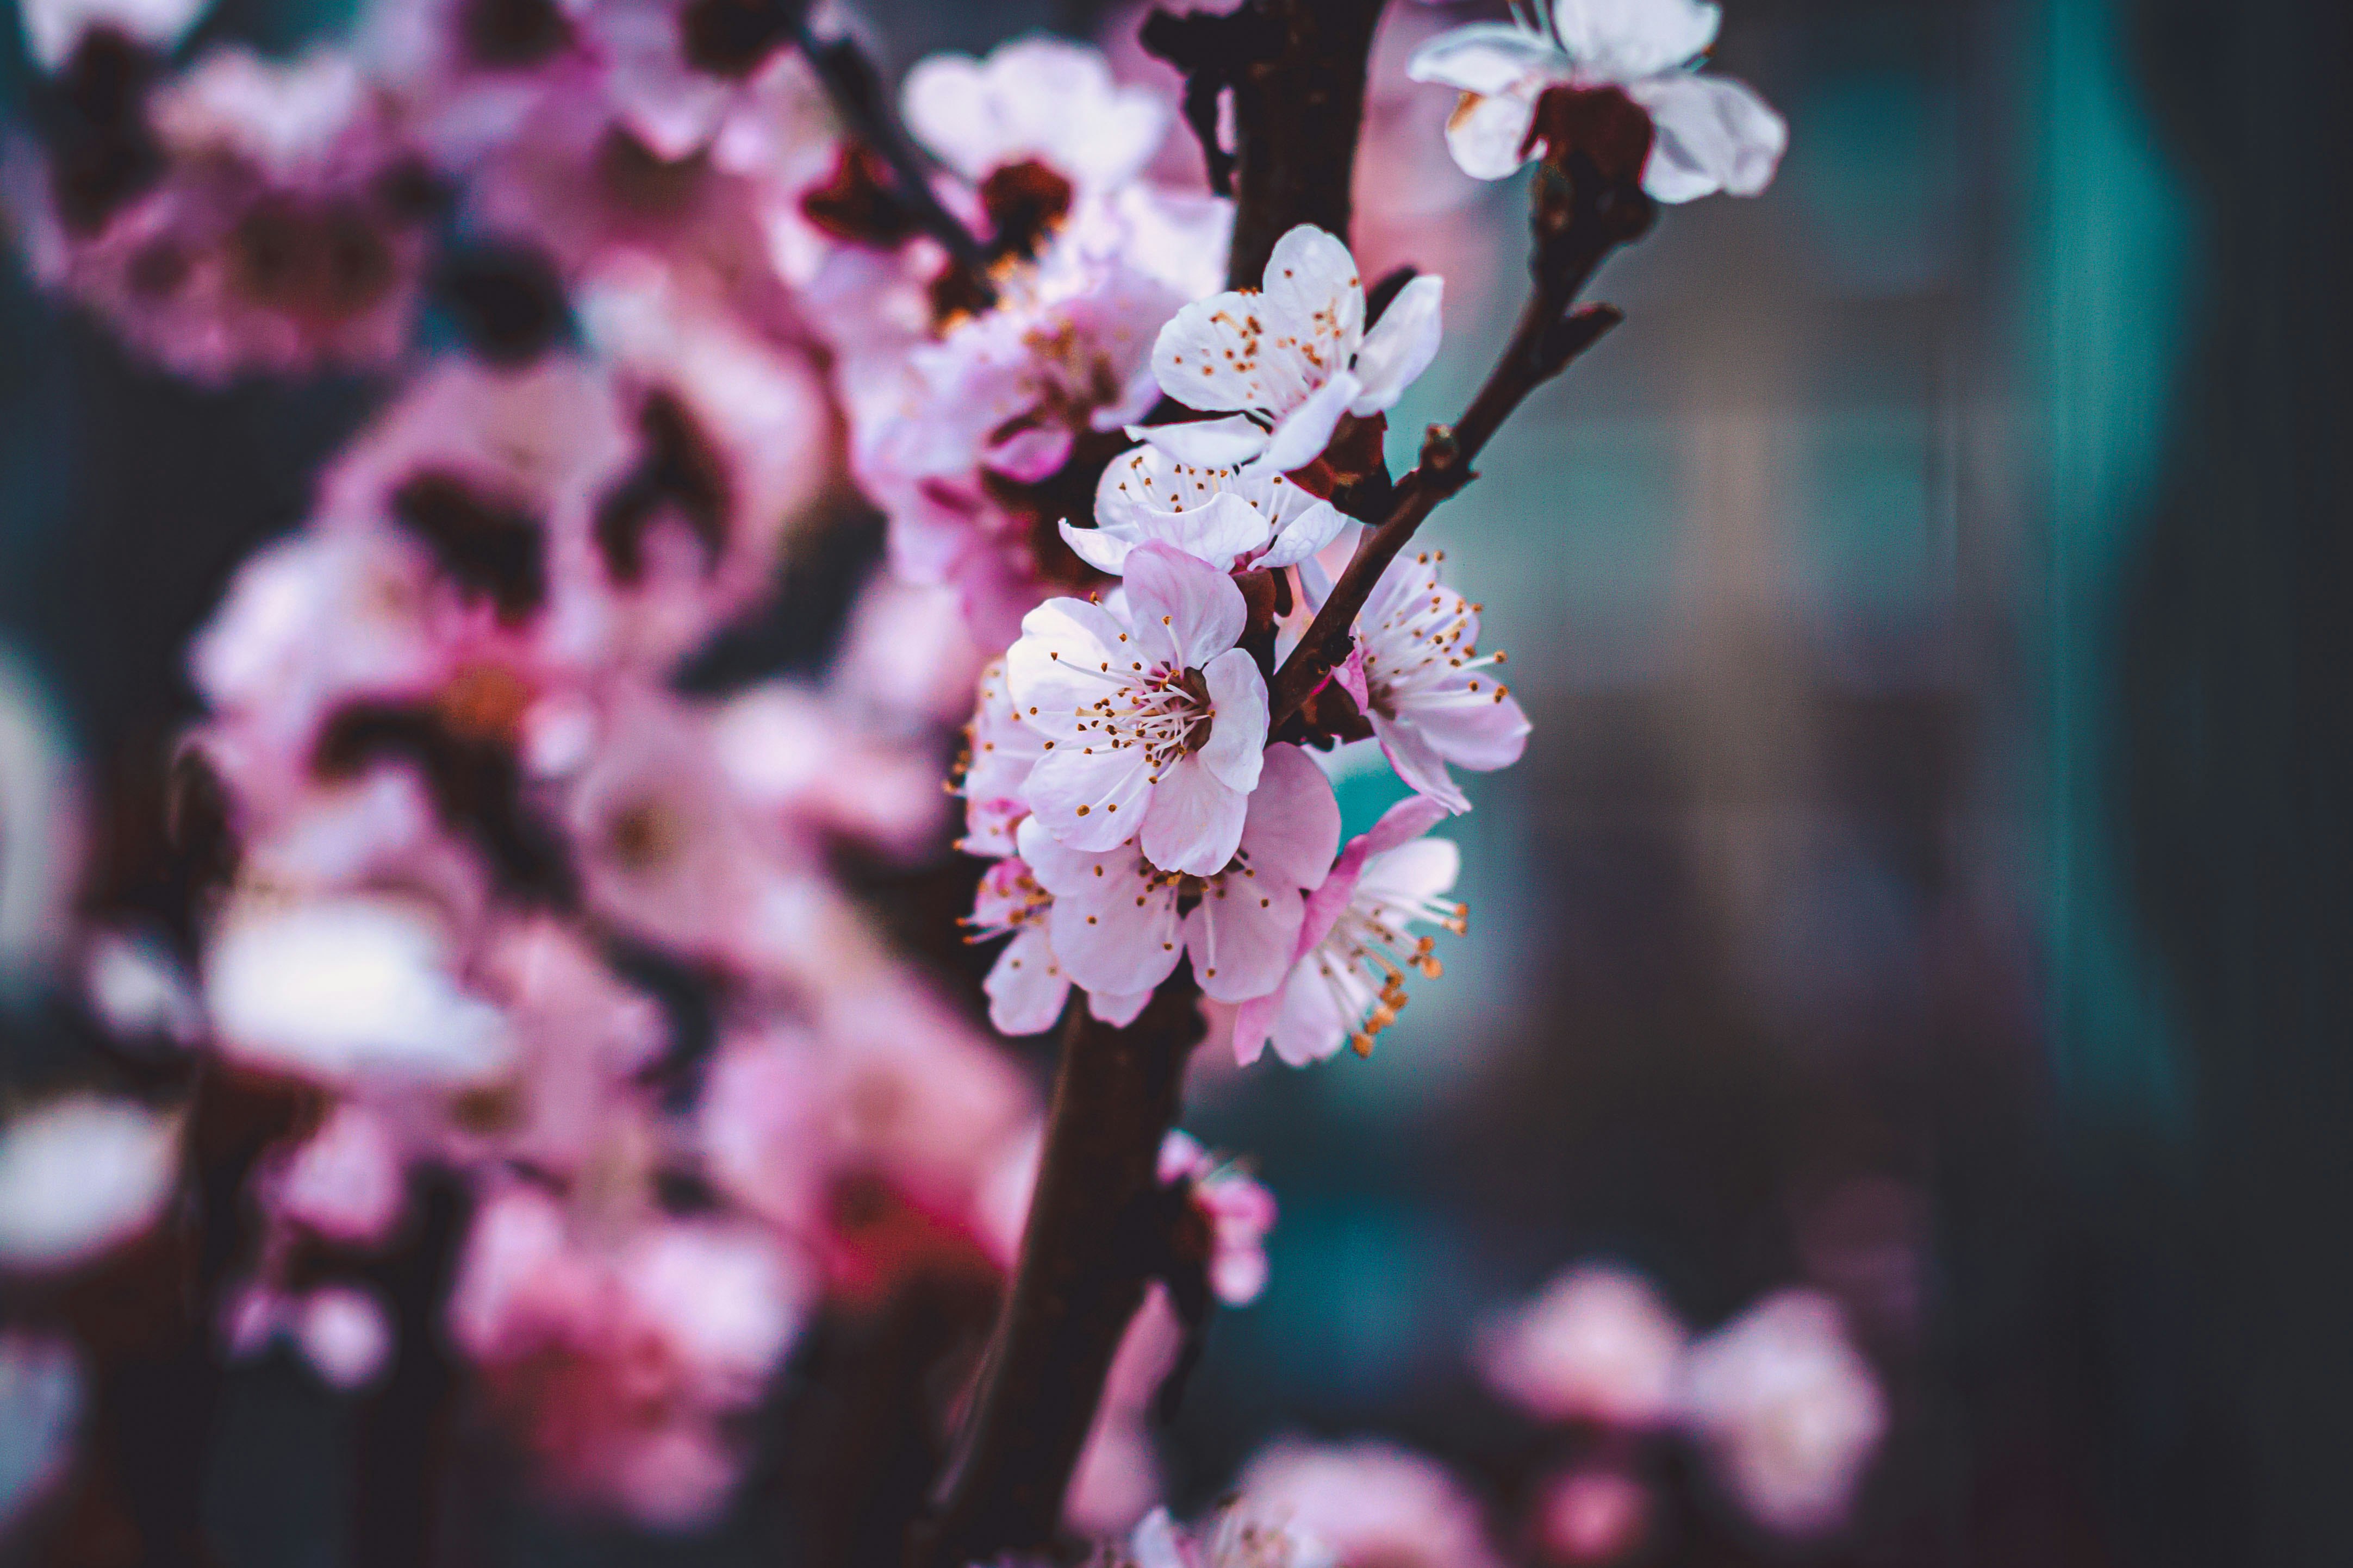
(521, 908)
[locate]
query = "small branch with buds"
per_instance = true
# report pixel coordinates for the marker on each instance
(1585, 201)
(855, 90)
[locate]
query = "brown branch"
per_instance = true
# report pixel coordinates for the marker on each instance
(1091, 1244)
(855, 90)
(1586, 200)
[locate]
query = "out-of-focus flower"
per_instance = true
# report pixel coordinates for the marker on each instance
(1420, 678)
(1348, 978)
(345, 1333)
(137, 988)
(1153, 720)
(350, 989)
(1236, 1537)
(1598, 1345)
(80, 1176)
(1239, 1212)
(1592, 1514)
(1035, 99)
(40, 1399)
(286, 228)
(1117, 1478)
(1373, 1504)
(40, 829)
(1713, 133)
(1233, 522)
(1788, 1409)
(1119, 919)
(1293, 358)
(618, 1360)
(345, 1182)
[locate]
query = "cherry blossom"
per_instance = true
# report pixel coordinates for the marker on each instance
(1230, 519)
(1000, 750)
(1239, 1212)
(1712, 133)
(1788, 1409)
(1347, 977)
(1418, 675)
(80, 1176)
(1236, 1537)
(1120, 921)
(1152, 720)
(1598, 1345)
(1293, 359)
(53, 28)
(1025, 986)
(1374, 1504)
(1034, 98)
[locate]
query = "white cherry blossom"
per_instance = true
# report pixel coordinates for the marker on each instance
(1027, 987)
(999, 752)
(1152, 720)
(1713, 133)
(1035, 99)
(1418, 675)
(1120, 921)
(1290, 359)
(1232, 520)
(1355, 941)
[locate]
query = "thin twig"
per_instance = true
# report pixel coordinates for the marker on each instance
(855, 90)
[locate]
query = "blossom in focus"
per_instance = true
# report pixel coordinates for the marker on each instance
(1232, 519)
(1033, 99)
(1348, 978)
(1025, 986)
(1239, 1212)
(80, 1176)
(1120, 918)
(1711, 134)
(1788, 1409)
(1000, 750)
(1598, 1345)
(1418, 675)
(1291, 359)
(1150, 719)
(1373, 1504)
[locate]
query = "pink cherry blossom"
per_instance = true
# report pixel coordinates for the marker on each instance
(1426, 689)
(1151, 720)
(1713, 133)
(1291, 359)
(1237, 1536)
(1120, 921)
(1233, 521)
(1027, 987)
(1347, 977)
(79, 1178)
(1592, 1513)
(1373, 1504)
(1598, 1345)
(1000, 749)
(1239, 1211)
(1789, 1411)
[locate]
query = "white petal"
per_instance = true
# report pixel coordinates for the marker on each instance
(1117, 1010)
(1487, 131)
(1195, 823)
(1225, 443)
(1209, 356)
(1196, 603)
(1100, 548)
(1484, 57)
(1713, 134)
(1025, 988)
(1416, 762)
(1309, 1025)
(1624, 40)
(1234, 754)
(1089, 796)
(1240, 936)
(1059, 639)
(1063, 870)
(1317, 526)
(948, 107)
(1118, 939)
(1300, 436)
(1400, 345)
(1214, 533)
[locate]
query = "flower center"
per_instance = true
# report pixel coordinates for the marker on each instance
(1165, 711)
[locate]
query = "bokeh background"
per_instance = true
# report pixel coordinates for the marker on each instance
(1929, 879)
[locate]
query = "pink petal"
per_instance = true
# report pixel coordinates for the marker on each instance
(1195, 823)
(1110, 943)
(1253, 1020)
(1294, 822)
(1091, 798)
(1234, 753)
(1240, 936)
(1118, 1011)
(1025, 986)
(1198, 603)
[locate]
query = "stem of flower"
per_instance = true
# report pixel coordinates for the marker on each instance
(855, 90)
(1091, 1244)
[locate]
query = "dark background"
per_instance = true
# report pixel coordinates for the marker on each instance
(1929, 875)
